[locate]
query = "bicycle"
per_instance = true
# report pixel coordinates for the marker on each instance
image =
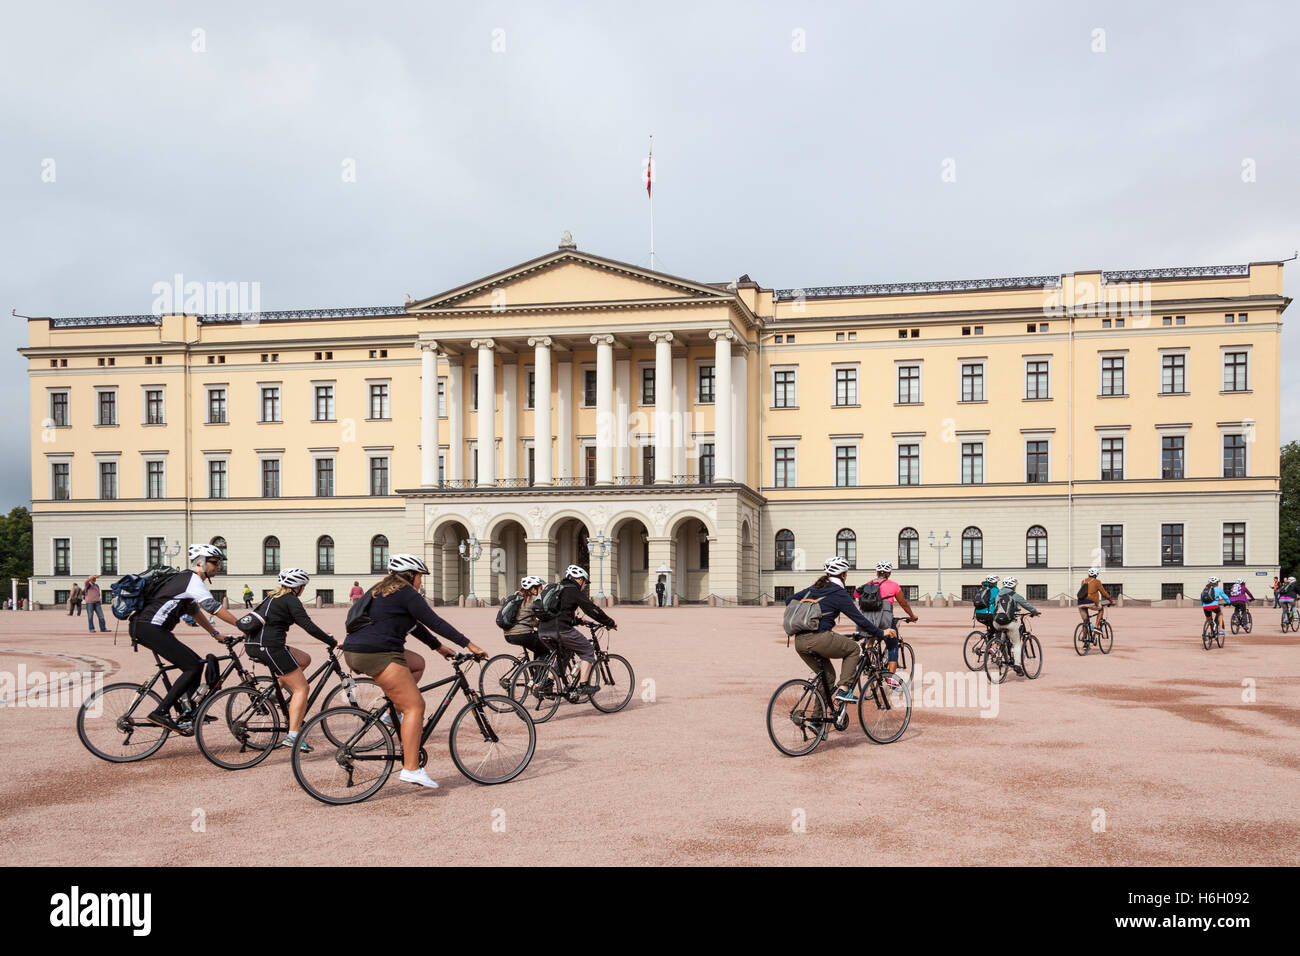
(976, 646)
(495, 676)
(121, 732)
(1210, 632)
(1087, 635)
(541, 684)
(256, 716)
(1290, 619)
(799, 718)
(494, 745)
(878, 649)
(998, 659)
(1241, 620)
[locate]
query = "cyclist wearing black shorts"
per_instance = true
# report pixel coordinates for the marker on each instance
(152, 625)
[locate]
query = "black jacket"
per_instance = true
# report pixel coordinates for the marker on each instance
(282, 613)
(573, 598)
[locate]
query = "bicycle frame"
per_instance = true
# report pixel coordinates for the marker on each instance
(231, 655)
(330, 664)
(559, 657)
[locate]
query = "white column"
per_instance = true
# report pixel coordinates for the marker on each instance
(542, 409)
(509, 418)
(604, 408)
(664, 456)
(564, 425)
(623, 386)
(681, 426)
(428, 414)
(455, 418)
(739, 418)
(487, 391)
(722, 404)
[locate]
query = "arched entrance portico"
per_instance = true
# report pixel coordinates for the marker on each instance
(448, 573)
(691, 542)
(629, 560)
(507, 552)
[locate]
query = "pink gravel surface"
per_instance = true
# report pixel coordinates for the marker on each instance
(1160, 753)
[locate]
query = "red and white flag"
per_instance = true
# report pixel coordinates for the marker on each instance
(649, 168)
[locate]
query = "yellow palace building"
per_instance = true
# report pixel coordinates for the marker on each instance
(730, 437)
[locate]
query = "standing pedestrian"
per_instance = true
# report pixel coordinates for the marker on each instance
(356, 591)
(660, 588)
(74, 600)
(1276, 582)
(94, 604)
(248, 596)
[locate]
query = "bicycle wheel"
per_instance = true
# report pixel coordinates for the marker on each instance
(616, 680)
(1081, 645)
(1207, 633)
(1248, 622)
(249, 727)
(1235, 624)
(537, 686)
(495, 743)
(1218, 637)
(111, 723)
(997, 661)
(906, 657)
(494, 676)
(885, 707)
(352, 770)
(1106, 639)
(1031, 656)
(972, 651)
(364, 693)
(796, 718)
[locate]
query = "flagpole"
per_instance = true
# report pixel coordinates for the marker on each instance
(650, 172)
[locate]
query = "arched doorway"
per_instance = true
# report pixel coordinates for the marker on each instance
(629, 576)
(509, 556)
(449, 574)
(748, 564)
(571, 536)
(691, 545)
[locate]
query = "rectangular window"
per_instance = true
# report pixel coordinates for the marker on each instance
(909, 384)
(1036, 380)
(783, 475)
(62, 552)
(1112, 459)
(532, 465)
(1112, 375)
(647, 465)
(1172, 454)
(972, 382)
(706, 391)
(972, 463)
(1171, 592)
(107, 407)
(324, 403)
(706, 463)
(155, 551)
(473, 392)
(846, 466)
(909, 551)
(59, 409)
(782, 592)
(909, 464)
(270, 478)
(108, 480)
(379, 400)
(1234, 542)
(589, 463)
(270, 403)
(589, 388)
(1112, 545)
(1235, 372)
(442, 398)
(1234, 456)
(324, 477)
(1036, 462)
(153, 406)
(1173, 374)
(648, 385)
(532, 390)
(60, 481)
(108, 555)
(154, 475)
(379, 476)
(846, 386)
(1171, 545)
(783, 390)
(1035, 592)
(217, 487)
(216, 406)
(972, 551)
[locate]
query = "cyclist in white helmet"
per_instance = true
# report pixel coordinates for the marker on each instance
(819, 647)
(562, 629)
(989, 594)
(1213, 600)
(523, 633)
(877, 600)
(1091, 593)
(378, 650)
(280, 610)
(1004, 618)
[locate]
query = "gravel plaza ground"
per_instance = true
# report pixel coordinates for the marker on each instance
(1161, 753)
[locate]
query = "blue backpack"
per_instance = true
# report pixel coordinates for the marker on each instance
(132, 591)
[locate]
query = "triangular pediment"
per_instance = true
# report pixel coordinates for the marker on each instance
(569, 277)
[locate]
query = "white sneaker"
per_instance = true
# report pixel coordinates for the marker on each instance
(419, 776)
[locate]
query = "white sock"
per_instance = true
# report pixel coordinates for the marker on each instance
(293, 735)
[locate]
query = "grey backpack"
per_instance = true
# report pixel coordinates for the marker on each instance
(802, 617)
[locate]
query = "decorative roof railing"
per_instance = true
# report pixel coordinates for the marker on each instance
(1177, 272)
(913, 288)
(232, 318)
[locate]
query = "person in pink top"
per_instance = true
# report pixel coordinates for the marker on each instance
(356, 591)
(891, 595)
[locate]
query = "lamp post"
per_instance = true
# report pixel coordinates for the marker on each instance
(947, 540)
(598, 549)
(471, 551)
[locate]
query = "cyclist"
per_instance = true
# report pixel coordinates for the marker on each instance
(152, 626)
(1213, 601)
(1287, 596)
(1238, 596)
(819, 647)
(378, 650)
(1008, 601)
(1093, 591)
(524, 631)
(984, 614)
(890, 592)
(281, 610)
(562, 631)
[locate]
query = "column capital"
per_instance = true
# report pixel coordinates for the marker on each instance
(725, 334)
(658, 337)
(427, 346)
(540, 340)
(482, 344)
(602, 339)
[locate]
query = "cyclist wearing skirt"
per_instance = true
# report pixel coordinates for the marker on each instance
(378, 650)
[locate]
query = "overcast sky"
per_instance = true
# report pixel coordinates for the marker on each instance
(801, 143)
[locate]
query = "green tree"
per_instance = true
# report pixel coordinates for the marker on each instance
(1288, 526)
(15, 546)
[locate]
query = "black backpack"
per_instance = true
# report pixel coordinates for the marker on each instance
(1207, 595)
(1083, 592)
(982, 595)
(359, 613)
(508, 616)
(869, 598)
(1003, 614)
(547, 605)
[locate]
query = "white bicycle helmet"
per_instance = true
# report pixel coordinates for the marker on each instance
(530, 581)
(884, 566)
(990, 579)
(204, 551)
(292, 578)
(407, 562)
(1093, 572)
(835, 566)
(1214, 579)
(1241, 581)
(1010, 583)
(574, 571)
